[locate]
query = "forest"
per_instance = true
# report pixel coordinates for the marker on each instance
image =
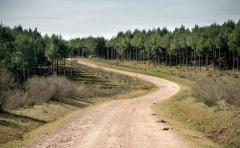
(25, 52)
(216, 45)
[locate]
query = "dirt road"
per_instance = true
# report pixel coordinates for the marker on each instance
(119, 123)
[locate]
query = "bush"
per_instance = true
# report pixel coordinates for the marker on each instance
(6, 84)
(41, 89)
(6, 80)
(15, 100)
(234, 93)
(62, 87)
(212, 90)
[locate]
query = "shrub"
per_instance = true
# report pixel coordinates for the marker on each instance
(234, 93)
(16, 99)
(6, 84)
(212, 90)
(39, 90)
(6, 80)
(62, 87)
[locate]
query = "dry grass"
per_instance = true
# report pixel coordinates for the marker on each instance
(212, 90)
(6, 80)
(6, 84)
(218, 121)
(38, 90)
(110, 79)
(23, 120)
(47, 99)
(46, 112)
(14, 99)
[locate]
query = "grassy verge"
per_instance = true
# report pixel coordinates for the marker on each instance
(44, 129)
(61, 120)
(41, 118)
(200, 124)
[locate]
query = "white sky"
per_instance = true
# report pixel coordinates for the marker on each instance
(79, 18)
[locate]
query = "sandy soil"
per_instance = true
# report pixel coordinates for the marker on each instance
(119, 123)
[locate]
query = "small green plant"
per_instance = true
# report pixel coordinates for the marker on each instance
(30, 102)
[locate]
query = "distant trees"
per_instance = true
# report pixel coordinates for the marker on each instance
(138, 44)
(26, 52)
(88, 46)
(6, 46)
(234, 45)
(216, 45)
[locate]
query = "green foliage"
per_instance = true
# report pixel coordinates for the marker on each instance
(153, 44)
(22, 50)
(95, 46)
(56, 48)
(234, 39)
(138, 39)
(213, 44)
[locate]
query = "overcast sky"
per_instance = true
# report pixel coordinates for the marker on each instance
(78, 18)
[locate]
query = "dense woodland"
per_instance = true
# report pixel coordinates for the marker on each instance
(216, 45)
(25, 52)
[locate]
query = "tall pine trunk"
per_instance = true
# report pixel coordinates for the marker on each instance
(170, 60)
(187, 58)
(214, 59)
(200, 62)
(233, 58)
(206, 62)
(219, 60)
(237, 61)
(179, 59)
(194, 54)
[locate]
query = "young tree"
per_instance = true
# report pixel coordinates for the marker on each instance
(234, 43)
(138, 42)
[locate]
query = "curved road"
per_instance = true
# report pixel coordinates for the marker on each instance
(118, 123)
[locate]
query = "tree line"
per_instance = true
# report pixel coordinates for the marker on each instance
(25, 52)
(216, 45)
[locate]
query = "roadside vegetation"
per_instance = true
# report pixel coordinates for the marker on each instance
(45, 99)
(213, 90)
(208, 101)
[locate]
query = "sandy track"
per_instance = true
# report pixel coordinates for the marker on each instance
(118, 123)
